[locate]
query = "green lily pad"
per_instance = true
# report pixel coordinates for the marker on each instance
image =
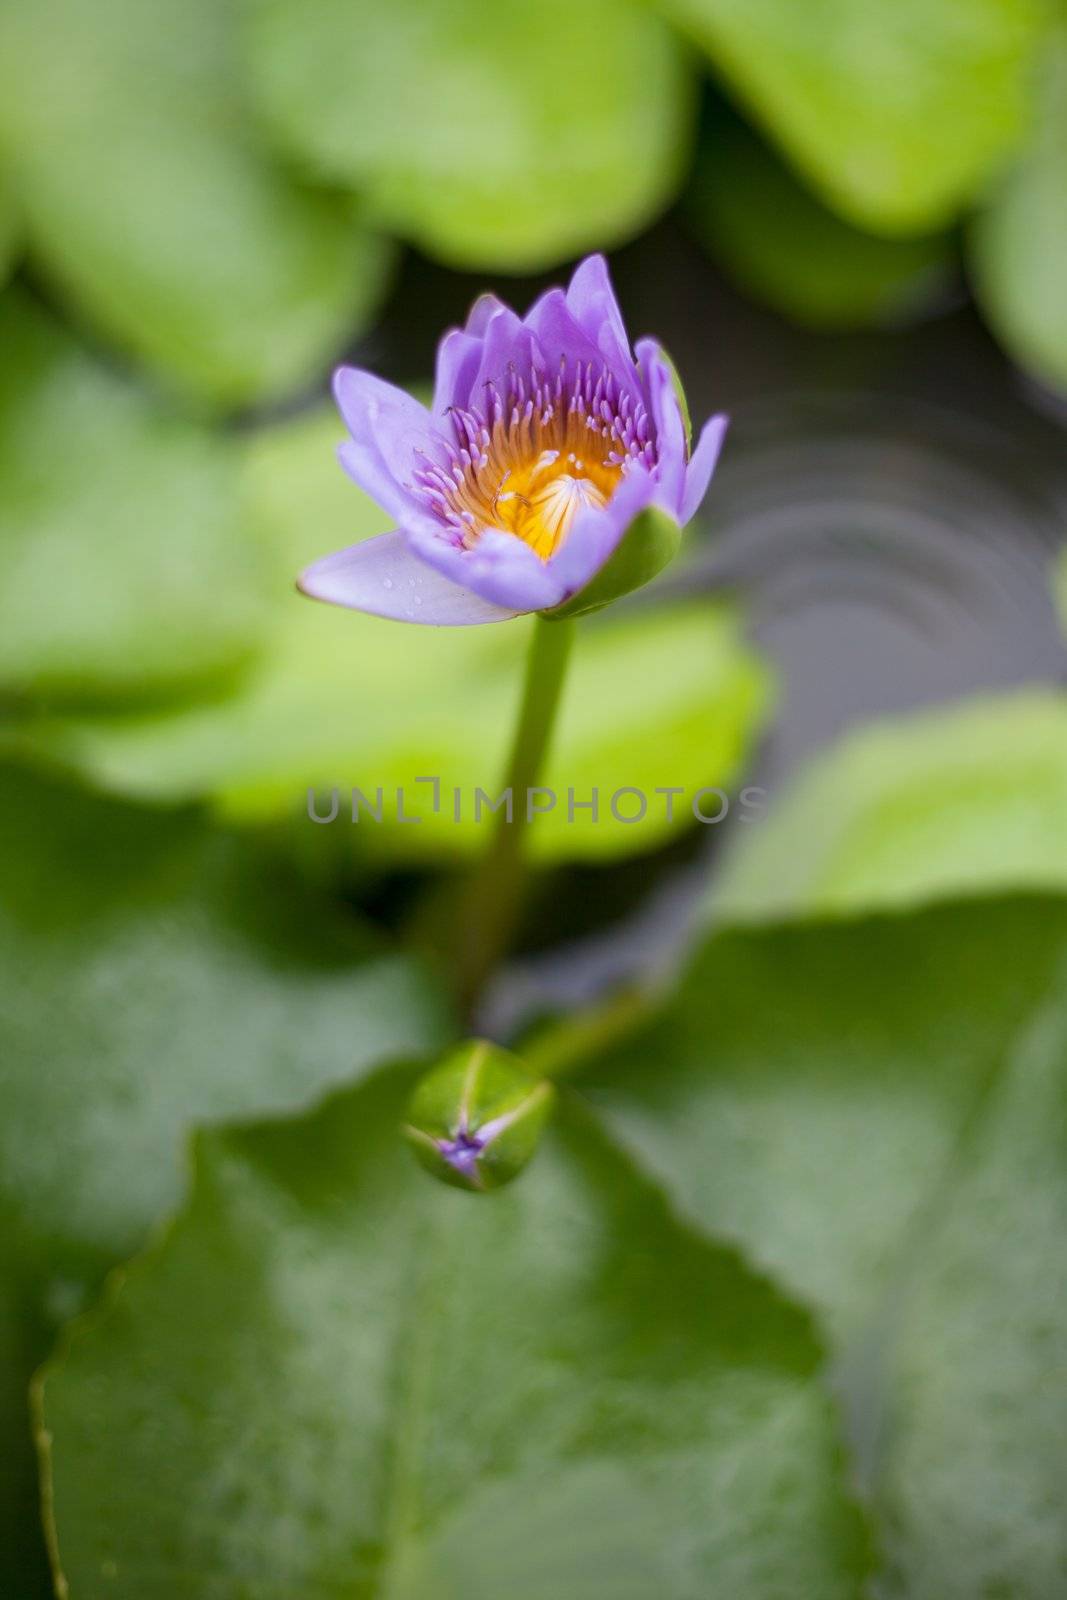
(149, 200)
(510, 139)
(663, 695)
(125, 568)
(335, 1376)
(154, 973)
(896, 113)
(964, 800)
(781, 244)
(875, 1112)
(1017, 243)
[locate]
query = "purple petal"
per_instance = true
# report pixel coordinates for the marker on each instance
(596, 532)
(702, 464)
(365, 467)
(592, 303)
(384, 577)
(507, 344)
(458, 356)
(669, 424)
(481, 314)
(390, 432)
(500, 568)
(558, 334)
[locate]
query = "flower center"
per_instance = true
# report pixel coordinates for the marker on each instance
(532, 459)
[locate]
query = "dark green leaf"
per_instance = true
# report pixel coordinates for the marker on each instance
(875, 1111)
(511, 137)
(337, 1377)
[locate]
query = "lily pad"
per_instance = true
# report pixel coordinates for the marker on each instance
(149, 199)
(511, 139)
(658, 696)
(965, 800)
(126, 571)
(875, 1112)
(334, 1375)
(782, 245)
(1018, 242)
(897, 114)
(154, 973)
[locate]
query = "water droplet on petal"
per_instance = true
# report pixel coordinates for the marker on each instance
(387, 583)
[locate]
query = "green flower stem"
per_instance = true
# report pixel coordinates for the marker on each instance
(563, 1047)
(495, 893)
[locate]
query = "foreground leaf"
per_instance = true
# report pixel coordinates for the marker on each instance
(151, 975)
(1018, 243)
(657, 695)
(784, 246)
(149, 201)
(485, 137)
(896, 113)
(964, 800)
(335, 1376)
(125, 567)
(875, 1111)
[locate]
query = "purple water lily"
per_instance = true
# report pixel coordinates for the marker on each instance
(545, 441)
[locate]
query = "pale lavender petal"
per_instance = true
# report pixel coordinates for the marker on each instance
(702, 464)
(500, 567)
(458, 356)
(669, 424)
(364, 465)
(392, 432)
(595, 533)
(592, 303)
(385, 577)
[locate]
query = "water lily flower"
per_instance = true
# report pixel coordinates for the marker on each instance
(553, 469)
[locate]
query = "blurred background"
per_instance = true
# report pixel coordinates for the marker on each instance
(847, 222)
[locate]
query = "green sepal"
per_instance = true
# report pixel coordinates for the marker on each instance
(648, 545)
(478, 1093)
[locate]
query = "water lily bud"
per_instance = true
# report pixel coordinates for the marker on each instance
(474, 1121)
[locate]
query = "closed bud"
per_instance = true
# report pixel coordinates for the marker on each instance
(474, 1121)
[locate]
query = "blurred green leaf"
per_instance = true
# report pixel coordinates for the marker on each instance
(667, 695)
(149, 201)
(876, 1112)
(10, 227)
(1019, 242)
(509, 137)
(335, 1376)
(781, 244)
(125, 568)
(897, 113)
(961, 800)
